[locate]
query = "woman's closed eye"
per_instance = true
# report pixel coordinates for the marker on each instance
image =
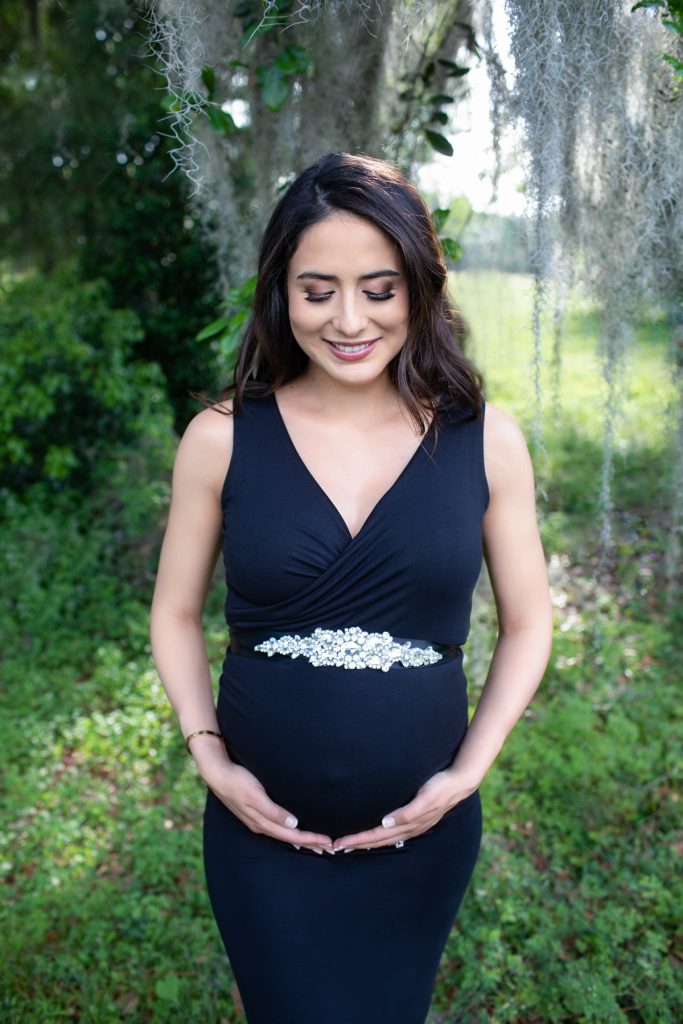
(373, 296)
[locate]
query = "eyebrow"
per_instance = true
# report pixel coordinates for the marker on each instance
(315, 276)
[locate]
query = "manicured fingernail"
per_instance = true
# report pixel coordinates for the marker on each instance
(295, 846)
(316, 849)
(291, 821)
(330, 850)
(389, 821)
(347, 849)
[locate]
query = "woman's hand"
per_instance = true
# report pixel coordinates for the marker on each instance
(433, 799)
(243, 794)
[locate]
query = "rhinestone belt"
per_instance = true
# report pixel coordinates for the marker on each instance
(351, 647)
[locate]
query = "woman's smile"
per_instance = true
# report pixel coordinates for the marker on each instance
(354, 350)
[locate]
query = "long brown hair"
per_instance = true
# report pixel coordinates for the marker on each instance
(430, 371)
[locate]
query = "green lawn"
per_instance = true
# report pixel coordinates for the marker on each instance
(574, 908)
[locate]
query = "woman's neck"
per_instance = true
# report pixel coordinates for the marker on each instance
(318, 391)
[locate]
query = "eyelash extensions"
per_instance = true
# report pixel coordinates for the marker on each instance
(373, 296)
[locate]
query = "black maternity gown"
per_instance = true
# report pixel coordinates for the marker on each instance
(353, 938)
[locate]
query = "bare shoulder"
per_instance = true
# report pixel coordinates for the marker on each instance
(205, 449)
(506, 455)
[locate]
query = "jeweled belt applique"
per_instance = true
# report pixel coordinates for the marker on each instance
(351, 647)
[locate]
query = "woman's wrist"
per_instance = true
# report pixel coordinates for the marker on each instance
(201, 732)
(209, 754)
(466, 779)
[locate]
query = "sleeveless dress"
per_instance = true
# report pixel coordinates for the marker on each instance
(353, 938)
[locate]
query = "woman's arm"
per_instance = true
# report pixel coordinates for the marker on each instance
(517, 569)
(188, 557)
(516, 564)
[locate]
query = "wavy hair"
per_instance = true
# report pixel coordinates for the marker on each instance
(430, 371)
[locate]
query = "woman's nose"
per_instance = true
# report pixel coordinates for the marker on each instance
(350, 320)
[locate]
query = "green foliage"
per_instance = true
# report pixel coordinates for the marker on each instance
(452, 250)
(671, 12)
(85, 175)
(99, 840)
(437, 141)
(255, 22)
(209, 80)
(572, 913)
(71, 395)
(227, 330)
(275, 80)
(424, 106)
(450, 247)
(220, 120)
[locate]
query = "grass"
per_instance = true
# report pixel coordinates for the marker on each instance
(573, 912)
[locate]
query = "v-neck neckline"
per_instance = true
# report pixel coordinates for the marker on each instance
(323, 492)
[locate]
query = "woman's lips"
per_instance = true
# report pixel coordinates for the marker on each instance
(351, 350)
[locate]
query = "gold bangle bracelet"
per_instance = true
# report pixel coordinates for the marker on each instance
(201, 732)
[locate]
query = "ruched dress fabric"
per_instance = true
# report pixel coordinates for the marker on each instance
(353, 938)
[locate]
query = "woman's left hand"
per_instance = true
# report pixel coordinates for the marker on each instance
(433, 799)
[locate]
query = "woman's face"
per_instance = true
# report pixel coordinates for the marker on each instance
(348, 298)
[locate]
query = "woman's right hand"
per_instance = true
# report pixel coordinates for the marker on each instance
(244, 795)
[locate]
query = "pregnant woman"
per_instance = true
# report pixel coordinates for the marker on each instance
(353, 477)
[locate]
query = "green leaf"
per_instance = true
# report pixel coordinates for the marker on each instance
(209, 80)
(234, 63)
(647, 4)
(59, 461)
(439, 218)
(428, 72)
(170, 103)
(471, 36)
(439, 117)
(245, 292)
(274, 86)
(438, 142)
(168, 988)
(220, 120)
(293, 60)
(675, 63)
(451, 249)
(440, 98)
(215, 327)
(252, 30)
(454, 70)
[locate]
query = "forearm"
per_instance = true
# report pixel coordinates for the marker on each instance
(517, 666)
(179, 652)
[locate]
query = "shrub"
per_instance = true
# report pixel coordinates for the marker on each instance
(71, 393)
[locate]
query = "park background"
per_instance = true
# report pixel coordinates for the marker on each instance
(123, 287)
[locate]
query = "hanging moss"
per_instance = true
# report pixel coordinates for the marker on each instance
(603, 133)
(263, 89)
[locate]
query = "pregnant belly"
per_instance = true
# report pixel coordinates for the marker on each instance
(341, 748)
